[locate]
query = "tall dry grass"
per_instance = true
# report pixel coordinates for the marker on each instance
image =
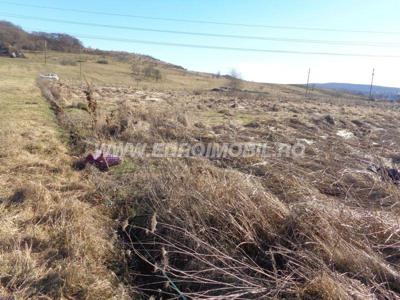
(218, 234)
(248, 228)
(54, 244)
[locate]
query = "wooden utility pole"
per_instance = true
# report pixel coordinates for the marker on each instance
(80, 64)
(372, 84)
(45, 52)
(308, 81)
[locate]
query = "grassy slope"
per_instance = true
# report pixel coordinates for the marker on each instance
(116, 73)
(52, 242)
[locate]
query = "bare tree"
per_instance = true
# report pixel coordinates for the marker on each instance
(136, 73)
(235, 81)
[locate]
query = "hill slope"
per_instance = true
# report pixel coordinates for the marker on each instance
(14, 36)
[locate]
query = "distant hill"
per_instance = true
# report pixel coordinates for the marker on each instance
(12, 36)
(378, 92)
(14, 40)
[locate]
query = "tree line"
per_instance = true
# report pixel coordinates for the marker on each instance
(12, 36)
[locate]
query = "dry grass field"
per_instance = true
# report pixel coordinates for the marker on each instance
(320, 226)
(54, 244)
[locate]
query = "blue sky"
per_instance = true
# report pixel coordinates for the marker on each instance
(367, 15)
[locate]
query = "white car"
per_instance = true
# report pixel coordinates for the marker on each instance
(50, 76)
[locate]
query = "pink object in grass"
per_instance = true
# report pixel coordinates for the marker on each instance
(102, 161)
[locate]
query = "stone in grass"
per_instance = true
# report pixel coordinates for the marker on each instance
(329, 119)
(253, 124)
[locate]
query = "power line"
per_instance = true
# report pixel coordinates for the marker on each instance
(303, 41)
(255, 50)
(300, 28)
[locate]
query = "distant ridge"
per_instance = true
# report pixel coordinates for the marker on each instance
(12, 36)
(13, 39)
(378, 92)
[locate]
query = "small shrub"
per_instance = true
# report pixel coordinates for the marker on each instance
(102, 61)
(68, 62)
(82, 106)
(157, 74)
(152, 73)
(183, 119)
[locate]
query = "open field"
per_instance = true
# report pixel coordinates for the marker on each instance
(318, 226)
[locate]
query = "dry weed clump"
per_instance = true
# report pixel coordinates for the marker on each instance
(147, 124)
(206, 226)
(334, 286)
(115, 123)
(196, 230)
(337, 239)
(91, 102)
